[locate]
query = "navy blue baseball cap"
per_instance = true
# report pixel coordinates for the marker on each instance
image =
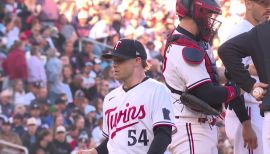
(127, 49)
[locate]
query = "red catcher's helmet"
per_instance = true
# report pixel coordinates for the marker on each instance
(199, 11)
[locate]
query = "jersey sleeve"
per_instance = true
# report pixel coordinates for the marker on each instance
(105, 127)
(162, 110)
(193, 75)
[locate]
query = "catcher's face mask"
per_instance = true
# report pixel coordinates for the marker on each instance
(204, 12)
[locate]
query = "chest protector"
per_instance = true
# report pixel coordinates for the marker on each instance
(193, 53)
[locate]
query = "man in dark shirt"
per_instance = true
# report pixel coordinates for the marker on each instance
(254, 43)
(59, 143)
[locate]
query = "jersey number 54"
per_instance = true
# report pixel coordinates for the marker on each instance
(140, 138)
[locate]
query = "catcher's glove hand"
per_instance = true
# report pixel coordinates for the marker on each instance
(197, 104)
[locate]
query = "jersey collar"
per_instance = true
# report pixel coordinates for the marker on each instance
(187, 33)
(126, 90)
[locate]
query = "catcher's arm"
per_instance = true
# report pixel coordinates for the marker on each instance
(215, 95)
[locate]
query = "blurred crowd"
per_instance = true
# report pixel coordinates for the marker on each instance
(52, 77)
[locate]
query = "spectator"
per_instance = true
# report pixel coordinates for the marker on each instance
(150, 46)
(72, 136)
(20, 109)
(59, 120)
(81, 25)
(46, 116)
(98, 103)
(34, 89)
(108, 75)
(65, 28)
(84, 143)
(80, 123)
(46, 33)
(53, 70)
(97, 132)
(35, 112)
(7, 107)
(67, 74)
(70, 53)
(86, 55)
(35, 65)
(79, 101)
(29, 139)
(61, 104)
(90, 118)
(17, 125)
(88, 76)
(60, 145)
(44, 142)
(18, 92)
(15, 64)
(8, 135)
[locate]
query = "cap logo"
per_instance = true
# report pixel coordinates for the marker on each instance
(137, 53)
(117, 45)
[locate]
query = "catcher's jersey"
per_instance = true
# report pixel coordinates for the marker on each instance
(129, 117)
(181, 75)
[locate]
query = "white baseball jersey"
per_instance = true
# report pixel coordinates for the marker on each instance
(191, 136)
(232, 125)
(130, 116)
(181, 75)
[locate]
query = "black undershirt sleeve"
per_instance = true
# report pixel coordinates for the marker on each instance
(238, 106)
(102, 148)
(210, 93)
(162, 138)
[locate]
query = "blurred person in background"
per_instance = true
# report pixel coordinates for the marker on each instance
(8, 135)
(80, 123)
(87, 54)
(44, 142)
(54, 71)
(29, 139)
(46, 32)
(155, 71)
(60, 145)
(103, 28)
(18, 92)
(36, 66)
(35, 112)
(15, 64)
(61, 104)
(98, 104)
(84, 143)
(69, 51)
(97, 132)
(108, 75)
(88, 75)
(59, 120)
(6, 104)
(72, 136)
(18, 124)
(12, 30)
(79, 101)
(65, 28)
(45, 115)
(33, 92)
(154, 54)
(67, 74)
(20, 109)
(82, 25)
(90, 118)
